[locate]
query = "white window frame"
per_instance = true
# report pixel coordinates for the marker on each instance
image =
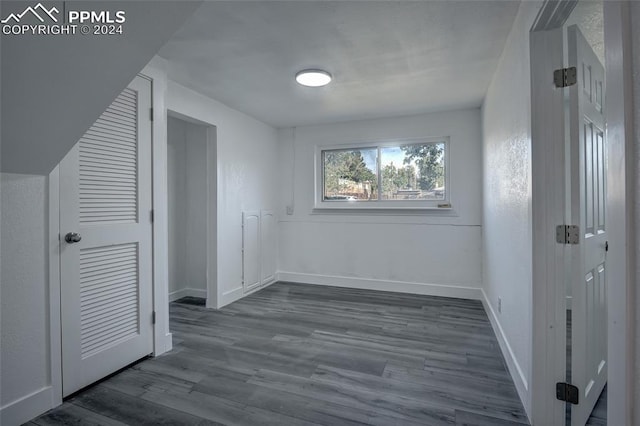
(436, 205)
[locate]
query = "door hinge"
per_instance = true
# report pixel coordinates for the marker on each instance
(567, 392)
(565, 77)
(153, 317)
(568, 234)
(151, 114)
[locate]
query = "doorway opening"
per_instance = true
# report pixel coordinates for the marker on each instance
(578, 186)
(191, 212)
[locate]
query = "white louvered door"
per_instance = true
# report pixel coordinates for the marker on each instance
(106, 277)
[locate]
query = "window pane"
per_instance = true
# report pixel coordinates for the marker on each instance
(413, 172)
(350, 175)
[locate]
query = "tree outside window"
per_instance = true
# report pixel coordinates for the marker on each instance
(385, 173)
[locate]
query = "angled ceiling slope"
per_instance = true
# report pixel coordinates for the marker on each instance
(387, 58)
(55, 87)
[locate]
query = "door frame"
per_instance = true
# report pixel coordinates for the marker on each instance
(549, 200)
(162, 338)
(212, 202)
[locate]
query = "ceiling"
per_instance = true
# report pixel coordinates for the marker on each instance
(388, 58)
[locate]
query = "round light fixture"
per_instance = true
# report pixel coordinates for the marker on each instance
(313, 78)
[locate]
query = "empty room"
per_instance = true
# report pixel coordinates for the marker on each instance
(319, 212)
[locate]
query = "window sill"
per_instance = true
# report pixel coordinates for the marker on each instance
(384, 210)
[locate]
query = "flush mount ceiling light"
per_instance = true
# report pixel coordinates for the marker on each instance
(313, 78)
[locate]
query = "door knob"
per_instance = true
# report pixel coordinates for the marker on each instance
(72, 237)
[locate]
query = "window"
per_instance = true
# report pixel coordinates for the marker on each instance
(384, 175)
(350, 174)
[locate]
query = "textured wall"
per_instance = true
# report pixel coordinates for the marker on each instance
(24, 311)
(507, 220)
(588, 15)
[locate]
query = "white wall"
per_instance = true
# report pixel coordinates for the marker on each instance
(247, 177)
(187, 208)
(429, 252)
(507, 220)
(24, 326)
(177, 204)
(635, 23)
(196, 219)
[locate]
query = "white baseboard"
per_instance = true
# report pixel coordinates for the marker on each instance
(230, 296)
(518, 376)
(27, 408)
(444, 290)
(238, 293)
(187, 292)
(165, 344)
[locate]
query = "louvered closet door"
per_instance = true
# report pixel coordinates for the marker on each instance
(105, 196)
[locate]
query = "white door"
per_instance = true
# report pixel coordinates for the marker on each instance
(268, 246)
(105, 267)
(588, 210)
(250, 250)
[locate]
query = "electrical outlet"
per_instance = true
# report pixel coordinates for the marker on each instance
(499, 305)
(289, 210)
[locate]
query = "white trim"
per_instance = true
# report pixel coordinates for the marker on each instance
(213, 292)
(27, 407)
(409, 206)
(55, 326)
(238, 293)
(518, 375)
(212, 216)
(162, 338)
(233, 291)
(212, 203)
(231, 296)
(549, 258)
(462, 291)
(187, 292)
(621, 279)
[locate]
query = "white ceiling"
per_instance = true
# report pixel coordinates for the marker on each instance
(388, 58)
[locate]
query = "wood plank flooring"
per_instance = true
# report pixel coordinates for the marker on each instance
(296, 354)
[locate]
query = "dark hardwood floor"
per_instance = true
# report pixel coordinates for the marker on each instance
(296, 354)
